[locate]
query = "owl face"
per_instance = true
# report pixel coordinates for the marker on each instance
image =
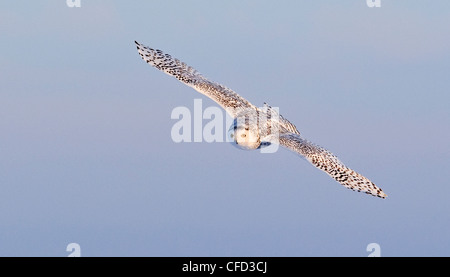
(244, 136)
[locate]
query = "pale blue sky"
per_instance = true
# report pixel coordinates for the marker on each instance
(86, 154)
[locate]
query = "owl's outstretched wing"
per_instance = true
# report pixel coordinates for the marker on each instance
(326, 161)
(225, 97)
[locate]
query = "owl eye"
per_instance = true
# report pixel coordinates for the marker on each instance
(243, 135)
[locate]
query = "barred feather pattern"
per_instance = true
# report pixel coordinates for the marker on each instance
(329, 163)
(232, 102)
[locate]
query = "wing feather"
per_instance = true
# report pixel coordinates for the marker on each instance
(225, 97)
(328, 162)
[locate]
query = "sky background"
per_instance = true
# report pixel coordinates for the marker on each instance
(86, 154)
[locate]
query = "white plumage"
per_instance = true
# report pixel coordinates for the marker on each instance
(248, 133)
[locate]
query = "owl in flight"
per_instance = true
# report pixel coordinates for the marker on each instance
(249, 131)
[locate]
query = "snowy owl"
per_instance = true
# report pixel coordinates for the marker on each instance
(249, 133)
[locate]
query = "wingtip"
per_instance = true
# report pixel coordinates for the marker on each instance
(137, 43)
(380, 194)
